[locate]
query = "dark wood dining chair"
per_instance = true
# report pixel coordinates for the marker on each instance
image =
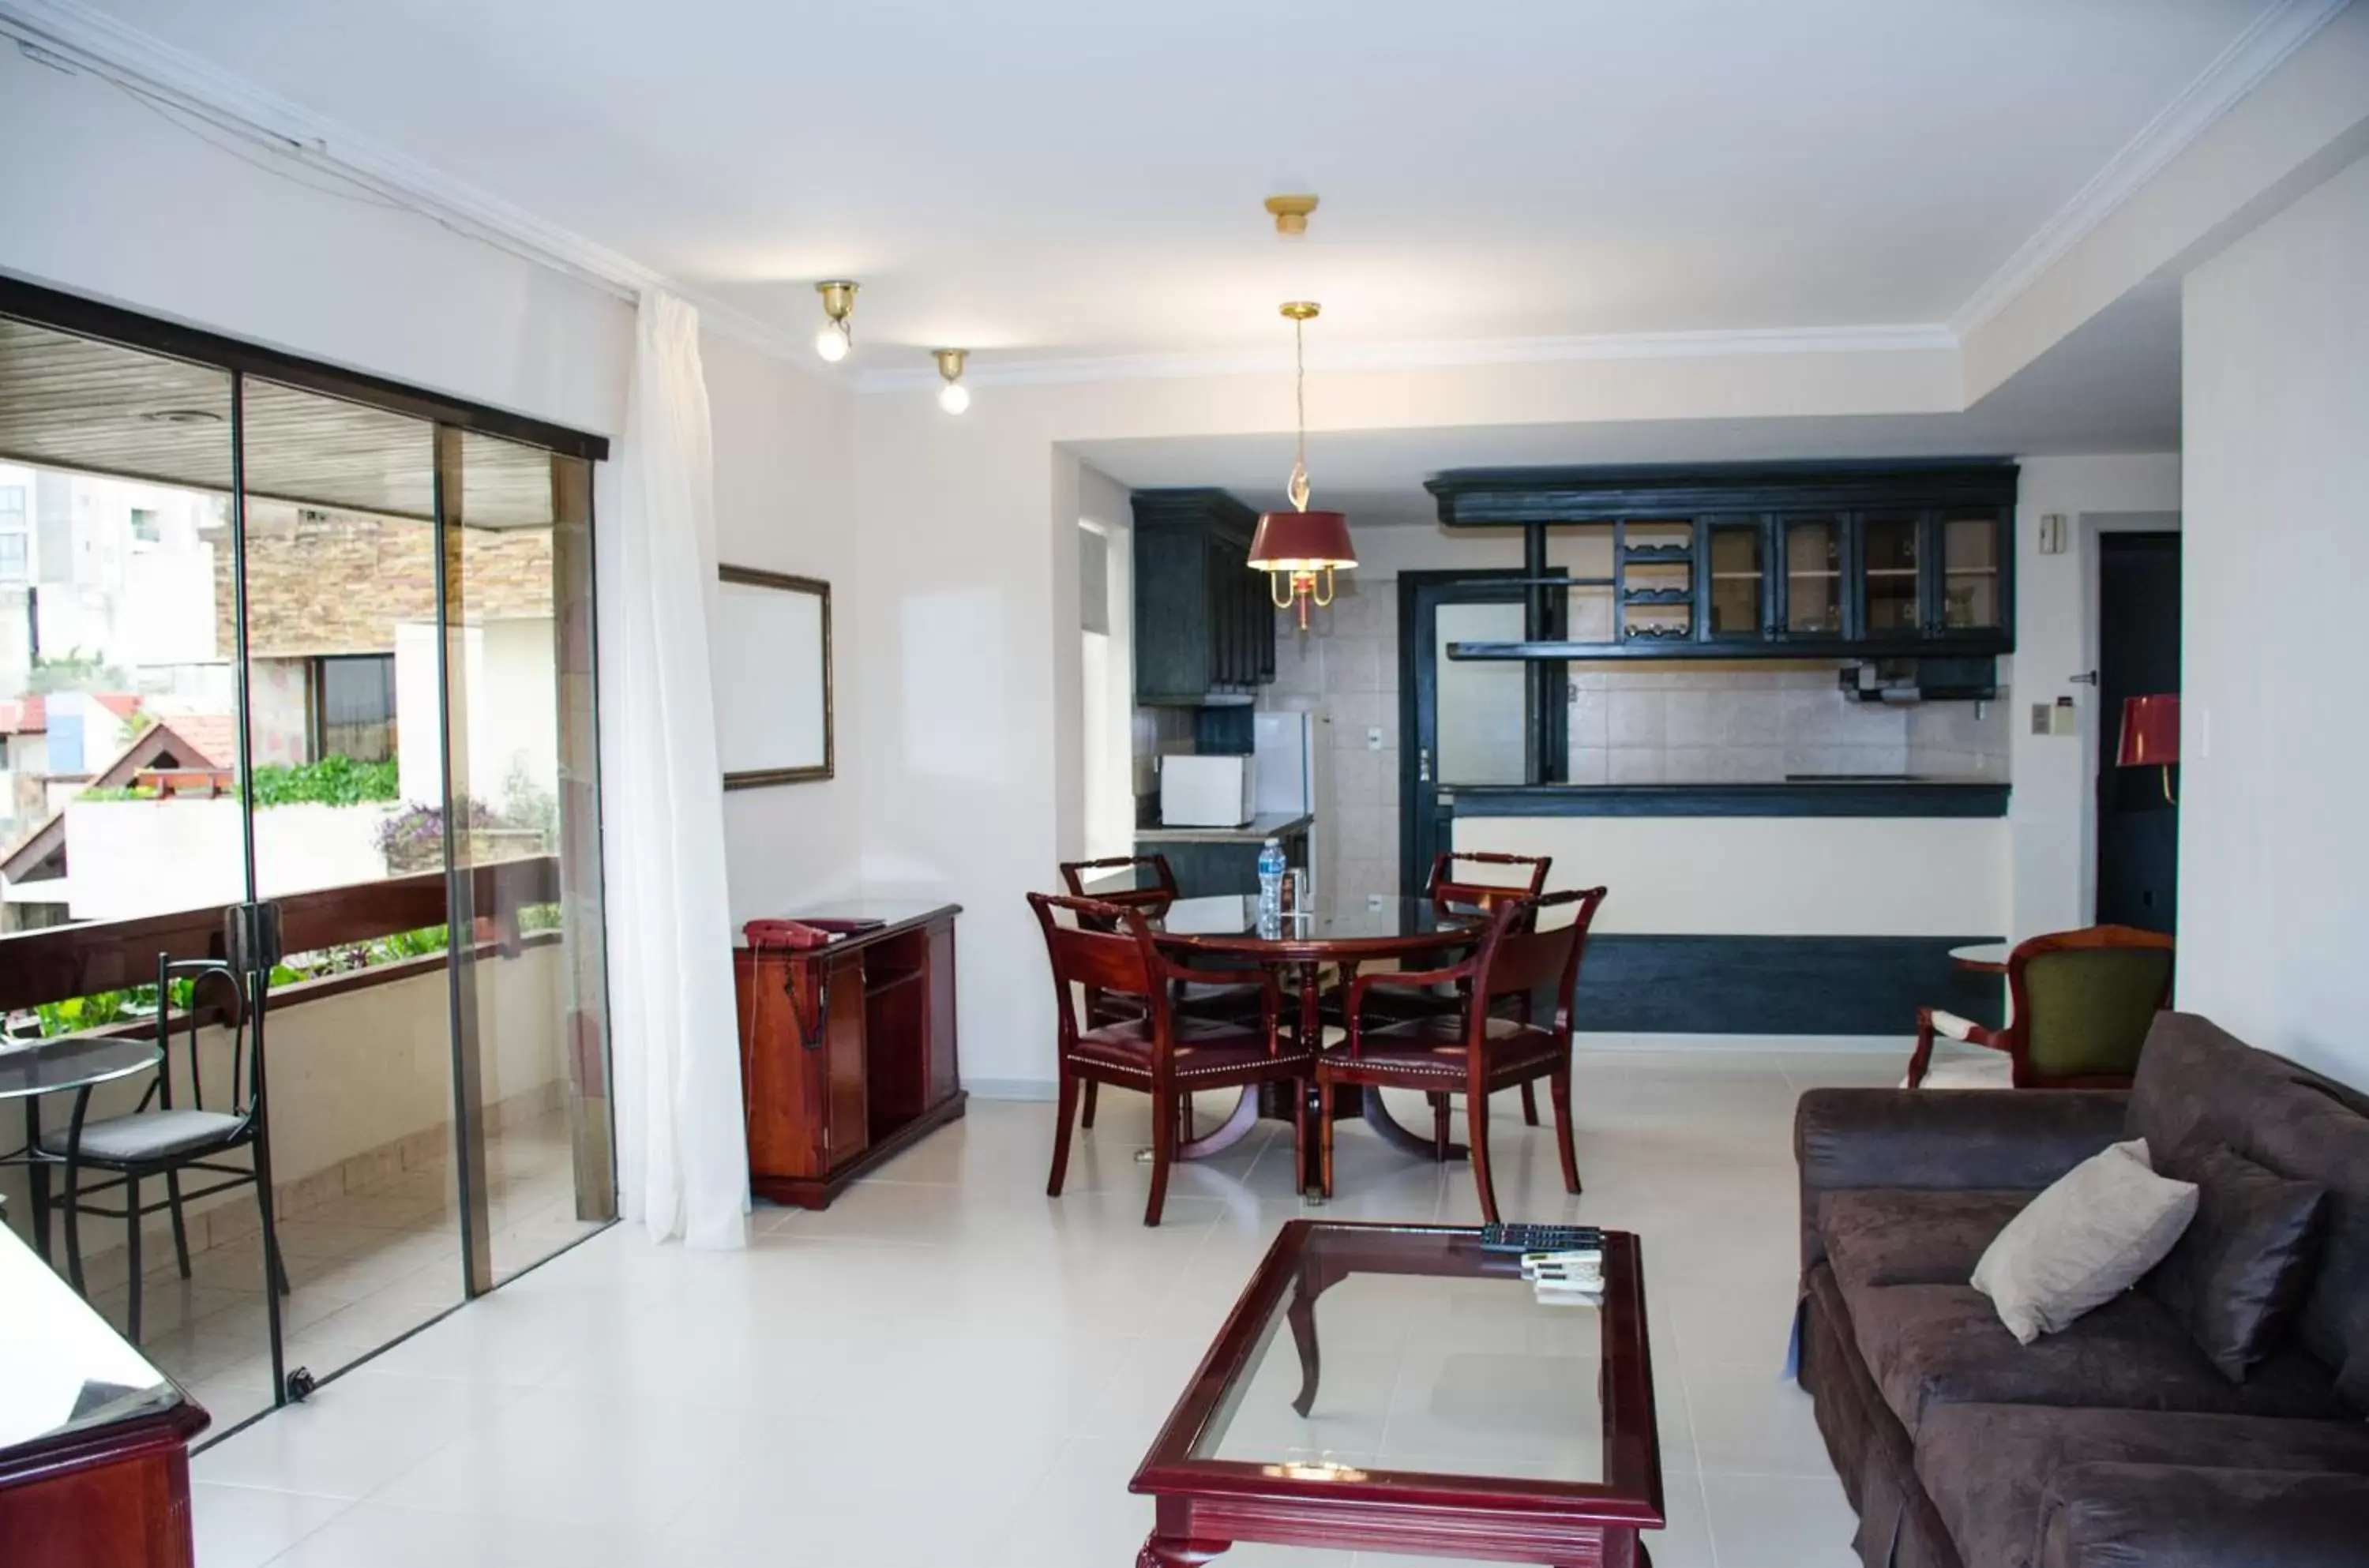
(1108, 948)
(1478, 1051)
(1153, 890)
(159, 1139)
(2079, 1006)
(1444, 886)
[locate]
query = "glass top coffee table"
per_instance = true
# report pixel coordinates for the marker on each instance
(1389, 1388)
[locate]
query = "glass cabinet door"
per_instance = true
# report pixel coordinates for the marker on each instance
(1891, 568)
(1814, 576)
(1972, 547)
(1737, 576)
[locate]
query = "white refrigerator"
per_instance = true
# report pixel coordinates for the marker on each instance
(1292, 779)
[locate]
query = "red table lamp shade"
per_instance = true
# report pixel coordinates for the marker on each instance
(2150, 730)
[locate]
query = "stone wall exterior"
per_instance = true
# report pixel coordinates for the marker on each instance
(331, 582)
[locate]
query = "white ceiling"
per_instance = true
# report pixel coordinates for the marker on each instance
(2112, 385)
(1063, 179)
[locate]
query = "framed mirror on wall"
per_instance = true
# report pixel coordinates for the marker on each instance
(772, 678)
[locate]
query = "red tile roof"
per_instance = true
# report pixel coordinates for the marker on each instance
(123, 704)
(24, 716)
(214, 735)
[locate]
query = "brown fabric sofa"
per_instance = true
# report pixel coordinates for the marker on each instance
(2115, 1443)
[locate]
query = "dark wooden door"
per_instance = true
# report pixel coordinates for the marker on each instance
(2138, 655)
(1466, 722)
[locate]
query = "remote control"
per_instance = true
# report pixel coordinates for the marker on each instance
(1541, 1238)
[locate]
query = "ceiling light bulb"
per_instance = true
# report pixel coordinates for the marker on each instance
(837, 334)
(954, 397)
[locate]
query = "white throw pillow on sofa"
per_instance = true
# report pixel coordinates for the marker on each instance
(2083, 1242)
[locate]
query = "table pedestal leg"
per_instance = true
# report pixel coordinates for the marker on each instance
(1311, 1037)
(1379, 1118)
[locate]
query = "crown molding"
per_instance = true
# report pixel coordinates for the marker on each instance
(1436, 354)
(88, 40)
(2252, 56)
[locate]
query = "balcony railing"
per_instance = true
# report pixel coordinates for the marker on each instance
(63, 962)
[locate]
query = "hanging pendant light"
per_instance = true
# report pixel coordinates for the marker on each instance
(1300, 549)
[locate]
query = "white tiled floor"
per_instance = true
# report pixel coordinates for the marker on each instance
(947, 1369)
(363, 1268)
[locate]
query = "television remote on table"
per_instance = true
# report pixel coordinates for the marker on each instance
(1541, 1238)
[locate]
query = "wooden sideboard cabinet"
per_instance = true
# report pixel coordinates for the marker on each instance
(847, 1052)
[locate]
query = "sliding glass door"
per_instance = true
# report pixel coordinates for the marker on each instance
(276, 637)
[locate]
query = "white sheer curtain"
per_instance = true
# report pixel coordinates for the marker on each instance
(683, 1154)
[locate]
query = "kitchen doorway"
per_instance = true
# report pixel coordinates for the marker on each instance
(2138, 655)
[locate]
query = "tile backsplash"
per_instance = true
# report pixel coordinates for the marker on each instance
(1760, 725)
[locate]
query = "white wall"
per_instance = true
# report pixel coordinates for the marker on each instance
(785, 502)
(1770, 876)
(2274, 920)
(128, 858)
(1107, 693)
(2053, 808)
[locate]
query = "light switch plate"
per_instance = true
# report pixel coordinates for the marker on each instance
(1374, 737)
(2040, 711)
(1376, 900)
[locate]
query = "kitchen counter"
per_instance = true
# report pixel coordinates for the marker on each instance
(1273, 825)
(1811, 797)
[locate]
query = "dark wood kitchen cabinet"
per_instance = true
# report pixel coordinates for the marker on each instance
(1782, 561)
(1203, 627)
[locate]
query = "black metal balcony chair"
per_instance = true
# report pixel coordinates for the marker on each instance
(159, 1139)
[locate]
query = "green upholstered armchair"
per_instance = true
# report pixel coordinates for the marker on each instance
(2079, 1006)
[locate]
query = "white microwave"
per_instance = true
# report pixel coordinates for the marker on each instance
(1206, 792)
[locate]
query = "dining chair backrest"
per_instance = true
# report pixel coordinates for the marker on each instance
(1523, 876)
(2083, 1000)
(1107, 949)
(1528, 951)
(210, 982)
(1153, 879)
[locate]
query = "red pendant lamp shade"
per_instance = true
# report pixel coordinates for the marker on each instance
(2150, 730)
(1302, 542)
(1298, 551)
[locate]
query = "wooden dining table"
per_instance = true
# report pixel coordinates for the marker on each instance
(1301, 944)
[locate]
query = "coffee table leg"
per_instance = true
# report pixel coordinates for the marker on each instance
(1177, 1552)
(1302, 1315)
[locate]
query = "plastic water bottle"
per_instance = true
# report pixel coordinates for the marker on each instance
(1270, 870)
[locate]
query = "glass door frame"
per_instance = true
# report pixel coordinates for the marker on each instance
(584, 1029)
(1425, 827)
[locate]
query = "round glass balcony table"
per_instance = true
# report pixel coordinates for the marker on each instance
(1363, 932)
(1982, 958)
(32, 1069)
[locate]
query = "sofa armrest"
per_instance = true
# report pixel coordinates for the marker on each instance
(2126, 1515)
(2014, 1140)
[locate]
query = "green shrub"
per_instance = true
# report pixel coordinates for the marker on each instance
(332, 781)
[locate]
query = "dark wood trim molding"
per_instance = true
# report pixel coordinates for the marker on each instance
(1635, 983)
(1486, 498)
(1790, 800)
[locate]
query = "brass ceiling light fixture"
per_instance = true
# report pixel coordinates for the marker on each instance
(1291, 213)
(954, 396)
(1299, 548)
(837, 334)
